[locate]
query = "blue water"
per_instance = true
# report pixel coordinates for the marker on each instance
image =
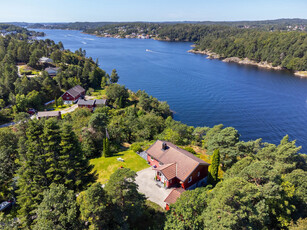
(258, 103)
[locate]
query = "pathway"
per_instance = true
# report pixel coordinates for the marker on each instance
(147, 185)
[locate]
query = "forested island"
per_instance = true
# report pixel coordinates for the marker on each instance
(63, 173)
(276, 44)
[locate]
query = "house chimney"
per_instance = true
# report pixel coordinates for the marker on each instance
(164, 146)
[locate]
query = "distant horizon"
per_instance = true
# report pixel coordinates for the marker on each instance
(39, 22)
(63, 11)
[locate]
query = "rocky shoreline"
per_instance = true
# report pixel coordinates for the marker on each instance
(245, 61)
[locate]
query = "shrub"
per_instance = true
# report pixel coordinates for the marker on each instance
(190, 149)
(136, 147)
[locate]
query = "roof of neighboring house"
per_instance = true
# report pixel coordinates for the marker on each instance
(86, 102)
(101, 101)
(174, 195)
(52, 69)
(186, 162)
(45, 59)
(49, 114)
(168, 170)
(76, 91)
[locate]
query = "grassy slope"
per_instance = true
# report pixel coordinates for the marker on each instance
(106, 166)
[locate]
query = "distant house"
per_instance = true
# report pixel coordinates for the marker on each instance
(91, 104)
(48, 114)
(52, 71)
(86, 103)
(73, 94)
(100, 102)
(176, 167)
(44, 60)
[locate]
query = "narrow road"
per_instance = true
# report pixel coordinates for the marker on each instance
(7, 125)
(67, 110)
(70, 109)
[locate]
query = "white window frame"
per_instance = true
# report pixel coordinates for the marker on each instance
(190, 179)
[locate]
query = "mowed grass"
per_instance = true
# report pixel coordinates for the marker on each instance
(99, 93)
(106, 166)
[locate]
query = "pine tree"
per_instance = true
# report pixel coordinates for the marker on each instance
(58, 209)
(51, 142)
(114, 76)
(75, 168)
(214, 168)
(31, 173)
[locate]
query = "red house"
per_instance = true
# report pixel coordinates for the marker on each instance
(176, 167)
(91, 104)
(48, 114)
(73, 94)
(86, 103)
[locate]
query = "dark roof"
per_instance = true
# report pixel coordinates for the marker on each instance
(86, 102)
(76, 91)
(101, 101)
(52, 68)
(185, 161)
(174, 195)
(49, 114)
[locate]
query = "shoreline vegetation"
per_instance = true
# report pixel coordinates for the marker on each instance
(245, 61)
(211, 55)
(276, 45)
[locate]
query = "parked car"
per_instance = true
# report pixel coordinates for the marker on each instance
(31, 111)
(6, 204)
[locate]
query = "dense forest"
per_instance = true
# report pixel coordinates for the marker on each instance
(45, 164)
(269, 25)
(281, 42)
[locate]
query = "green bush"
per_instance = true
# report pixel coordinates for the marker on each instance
(136, 147)
(190, 149)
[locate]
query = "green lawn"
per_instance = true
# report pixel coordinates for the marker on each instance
(106, 166)
(99, 93)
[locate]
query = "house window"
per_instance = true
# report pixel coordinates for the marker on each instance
(198, 174)
(190, 179)
(170, 181)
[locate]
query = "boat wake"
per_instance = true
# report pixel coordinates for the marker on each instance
(151, 51)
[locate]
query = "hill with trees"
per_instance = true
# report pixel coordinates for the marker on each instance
(18, 92)
(280, 43)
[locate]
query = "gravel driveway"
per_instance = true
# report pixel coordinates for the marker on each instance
(147, 186)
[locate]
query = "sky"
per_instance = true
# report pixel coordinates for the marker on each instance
(149, 10)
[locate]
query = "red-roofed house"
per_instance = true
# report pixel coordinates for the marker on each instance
(73, 94)
(176, 167)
